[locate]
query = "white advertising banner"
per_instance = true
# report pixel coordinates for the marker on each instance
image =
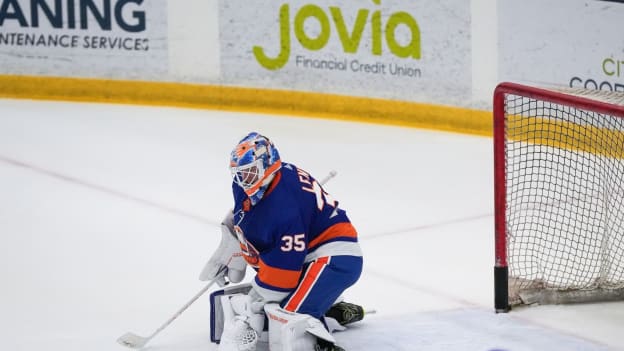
(571, 43)
(406, 50)
(84, 38)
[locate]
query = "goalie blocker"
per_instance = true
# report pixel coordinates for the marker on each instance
(232, 322)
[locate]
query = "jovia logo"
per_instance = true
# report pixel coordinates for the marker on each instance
(350, 39)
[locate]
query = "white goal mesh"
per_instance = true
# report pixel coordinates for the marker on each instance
(560, 194)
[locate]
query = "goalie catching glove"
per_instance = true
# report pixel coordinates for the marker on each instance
(227, 260)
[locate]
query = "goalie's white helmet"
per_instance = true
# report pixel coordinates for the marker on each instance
(253, 162)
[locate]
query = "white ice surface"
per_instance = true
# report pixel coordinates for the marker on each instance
(108, 213)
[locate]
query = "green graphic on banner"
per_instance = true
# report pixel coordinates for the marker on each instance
(396, 49)
(350, 39)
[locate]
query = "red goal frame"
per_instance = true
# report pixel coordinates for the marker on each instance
(501, 299)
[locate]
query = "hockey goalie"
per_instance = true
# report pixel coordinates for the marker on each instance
(302, 247)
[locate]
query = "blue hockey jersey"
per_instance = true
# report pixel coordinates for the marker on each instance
(295, 222)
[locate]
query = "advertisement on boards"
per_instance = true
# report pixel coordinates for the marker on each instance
(404, 50)
(567, 43)
(84, 38)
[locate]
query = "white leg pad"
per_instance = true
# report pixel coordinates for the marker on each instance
(242, 329)
(241, 305)
(290, 331)
(218, 313)
(238, 336)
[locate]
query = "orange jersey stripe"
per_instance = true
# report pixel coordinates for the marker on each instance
(281, 278)
(307, 284)
(335, 231)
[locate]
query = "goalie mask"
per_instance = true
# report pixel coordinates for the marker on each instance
(253, 162)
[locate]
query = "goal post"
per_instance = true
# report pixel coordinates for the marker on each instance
(559, 195)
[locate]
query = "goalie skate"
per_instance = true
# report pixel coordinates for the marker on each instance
(327, 346)
(346, 313)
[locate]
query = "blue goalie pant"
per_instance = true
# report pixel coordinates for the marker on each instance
(320, 286)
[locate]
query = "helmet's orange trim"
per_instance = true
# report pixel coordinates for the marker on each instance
(274, 168)
(242, 148)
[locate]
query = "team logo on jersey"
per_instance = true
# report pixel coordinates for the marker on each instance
(250, 253)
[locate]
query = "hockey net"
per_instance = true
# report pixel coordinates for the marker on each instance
(559, 196)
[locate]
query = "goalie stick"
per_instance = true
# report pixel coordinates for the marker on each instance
(135, 341)
(328, 177)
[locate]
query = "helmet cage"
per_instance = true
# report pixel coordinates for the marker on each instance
(247, 176)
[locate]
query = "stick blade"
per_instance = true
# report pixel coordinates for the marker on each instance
(132, 341)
